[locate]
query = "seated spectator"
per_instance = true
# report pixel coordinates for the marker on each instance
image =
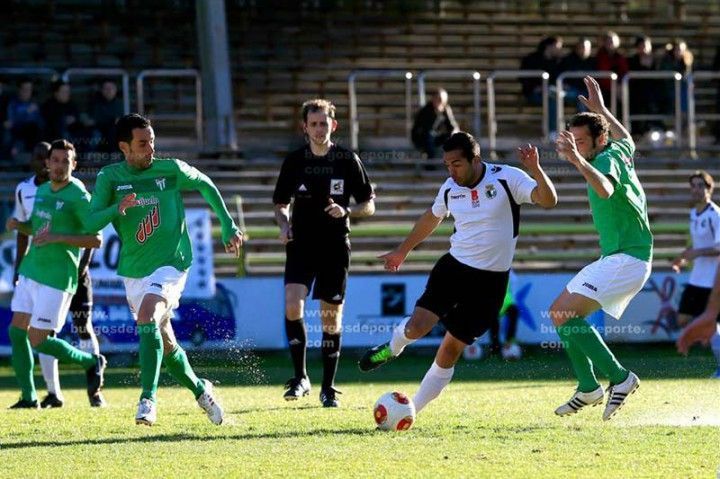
(23, 123)
(716, 67)
(105, 108)
(677, 58)
(578, 60)
(434, 124)
(643, 92)
(62, 117)
(609, 58)
(546, 57)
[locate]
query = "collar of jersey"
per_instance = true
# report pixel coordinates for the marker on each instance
(482, 177)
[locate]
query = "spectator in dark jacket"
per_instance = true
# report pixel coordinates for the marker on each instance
(62, 117)
(434, 124)
(23, 123)
(105, 109)
(644, 94)
(546, 57)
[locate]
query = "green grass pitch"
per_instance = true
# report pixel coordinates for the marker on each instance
(494, 420)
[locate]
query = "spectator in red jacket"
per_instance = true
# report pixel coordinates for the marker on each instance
(609, 58)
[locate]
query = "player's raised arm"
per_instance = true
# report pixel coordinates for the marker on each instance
(595, 103)
(544, 193)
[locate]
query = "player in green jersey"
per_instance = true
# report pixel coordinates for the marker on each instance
(48, 275)
(602, 151)
(156, 254)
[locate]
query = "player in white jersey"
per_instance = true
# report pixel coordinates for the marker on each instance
(81, 305)
(467, 285)
(704, 254)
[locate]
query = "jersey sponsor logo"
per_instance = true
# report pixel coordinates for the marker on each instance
(490, 191)
(590, 286)
(148, 201)
(160, 182)
(457, 197)
(337, 187)
(43, 214)
(156, 285)
(148, 225)
(59, 204)
(302, 188)
(124, 187)
(475, 198)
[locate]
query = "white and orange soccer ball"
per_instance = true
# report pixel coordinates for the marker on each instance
(394, 411)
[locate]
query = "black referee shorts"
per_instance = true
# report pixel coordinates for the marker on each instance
(326, 265)
(467, 299)
(694, 300)
(81, 305)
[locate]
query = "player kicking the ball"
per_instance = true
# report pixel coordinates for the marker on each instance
(466, 287)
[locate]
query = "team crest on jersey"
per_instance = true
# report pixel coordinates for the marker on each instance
(475, 197)
(148, 225)
(490, 191)
(337, 187)
(160, 182)
(59, 205)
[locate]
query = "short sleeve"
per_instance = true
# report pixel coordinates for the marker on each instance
(715, 224)
(361, 189)
(189, 177)
(439, 207)
(606, 163)
(521, 185)
(284, 187)
(82, 209)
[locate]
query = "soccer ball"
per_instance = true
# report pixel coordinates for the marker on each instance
(394, 411)
(511, 352)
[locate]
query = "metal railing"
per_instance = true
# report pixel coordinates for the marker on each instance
(693, 117)
(658, 75)
(513, 75)
(104, 72)
(28, 71)
(473, 75)
(169, 73)
(560, 95)
(378, 74)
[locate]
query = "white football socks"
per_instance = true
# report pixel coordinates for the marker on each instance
(399, 340)
(432, 385)
(51, 374)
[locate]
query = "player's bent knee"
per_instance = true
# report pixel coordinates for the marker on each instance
(37, 336)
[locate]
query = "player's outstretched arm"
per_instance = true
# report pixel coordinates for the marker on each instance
(45, 237)
(595, 103)
(544, 193)
(193, 179)
(424, 226)
(23, 227)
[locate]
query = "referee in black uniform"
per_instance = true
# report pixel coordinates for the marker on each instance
(320, 177)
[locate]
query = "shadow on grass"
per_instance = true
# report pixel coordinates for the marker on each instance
(272, 369)
(182, 437)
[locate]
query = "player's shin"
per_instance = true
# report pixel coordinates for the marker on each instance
(177, 364)
(150, 359)
(23, 362)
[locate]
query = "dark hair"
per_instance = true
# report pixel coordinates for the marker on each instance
(546, 42)
(316, 105)
(63, 145)
(57, 84)
(640, 39)
(703, 175)
(597, 124)
(464, 142)
(22, 80)
(126, 124)
(41, 151)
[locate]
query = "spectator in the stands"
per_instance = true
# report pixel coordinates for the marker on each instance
(63, 118)
(578, 60)
(546, 57)
(610, 58)
(716, 67)
(680, 59)
(105, 109)
(644, 97)
(23, 124)
(434, 124)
